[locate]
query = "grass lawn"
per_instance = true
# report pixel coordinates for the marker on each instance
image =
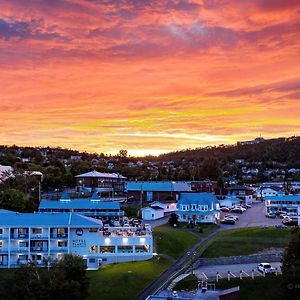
(246, 241)
(268, 288)
(172, 241)
(126, 280)
(205, 229)
(189, 283)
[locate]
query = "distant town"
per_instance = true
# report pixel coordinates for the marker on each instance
(113, 210)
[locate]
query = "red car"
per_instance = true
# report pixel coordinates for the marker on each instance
(225, 209)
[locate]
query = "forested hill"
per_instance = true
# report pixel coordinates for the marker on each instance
(280, 150)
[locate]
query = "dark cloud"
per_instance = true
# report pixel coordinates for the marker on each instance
(25, 30)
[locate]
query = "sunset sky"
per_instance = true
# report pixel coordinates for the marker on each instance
(149, 76)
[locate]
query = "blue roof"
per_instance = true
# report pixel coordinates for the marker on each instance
(6, 211)
(158, 186)
(284, 198)
(197, 198)
(95, 196)
(46, 219)
(79, 204)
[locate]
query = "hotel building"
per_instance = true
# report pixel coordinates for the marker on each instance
(42, 237)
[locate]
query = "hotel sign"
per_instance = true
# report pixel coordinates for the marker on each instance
(78, 243)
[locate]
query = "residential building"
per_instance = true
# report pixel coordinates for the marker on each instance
(156, 190)
(152, 213)
(230, 201)
(38, 237)
(167, 205)
(287, 203)
(270, 192)
(5, 172)
(100, 182)
(198, 208)
(93, 207)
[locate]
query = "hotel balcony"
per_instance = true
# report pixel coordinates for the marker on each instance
(39, 237)
(19, 236)
(19, 250)
(58, 235)
(59, 250)
(39, 249)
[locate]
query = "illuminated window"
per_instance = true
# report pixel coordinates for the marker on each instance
(93, 229)
(142, 249)
(62, 243)
(107, 249)
(125, 249)
(37, 230)
(1, 244)
(93, 249)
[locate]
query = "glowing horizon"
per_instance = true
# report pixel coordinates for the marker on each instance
(148, 76)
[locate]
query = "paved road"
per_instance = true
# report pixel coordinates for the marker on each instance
(176, 266)
(211, 271)
(158, 222)
(255, 216)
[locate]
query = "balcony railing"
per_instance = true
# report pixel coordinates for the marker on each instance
(58, 250)
(38, 249)
(19, 236)
(38, 237)
(19, 249)
(58, 235)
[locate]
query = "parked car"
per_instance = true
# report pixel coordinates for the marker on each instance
(283, 215)
(225, 209)
(237, 210)
(266, 268)
(248, 205)
(270, 215)
(280, 226)
(241, 208)
(231, 216)
(227, 221)
(290, 221)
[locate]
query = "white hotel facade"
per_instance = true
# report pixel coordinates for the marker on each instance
(42, 237)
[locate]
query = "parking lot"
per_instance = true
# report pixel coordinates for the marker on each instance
(234, 271)
(254, 216)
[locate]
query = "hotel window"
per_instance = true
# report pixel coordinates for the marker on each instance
(1, 244)
(61, 232)
(125, 249)
(23, 244)
(1, 230)
(37, 230)
(107, 249)
(92, 260)
(93, 249)
(142, 249)
(62, 244)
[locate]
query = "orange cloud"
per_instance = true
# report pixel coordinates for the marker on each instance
(147, 76)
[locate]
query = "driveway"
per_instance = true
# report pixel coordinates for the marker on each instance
(254, 216)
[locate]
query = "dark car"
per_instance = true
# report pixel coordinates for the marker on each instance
(270, 215)
(227, 221)
(290, 222)
(237, 210)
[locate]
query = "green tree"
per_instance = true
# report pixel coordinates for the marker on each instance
(210, 169)
(291, 267)
(65, 280)
(13, 199)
